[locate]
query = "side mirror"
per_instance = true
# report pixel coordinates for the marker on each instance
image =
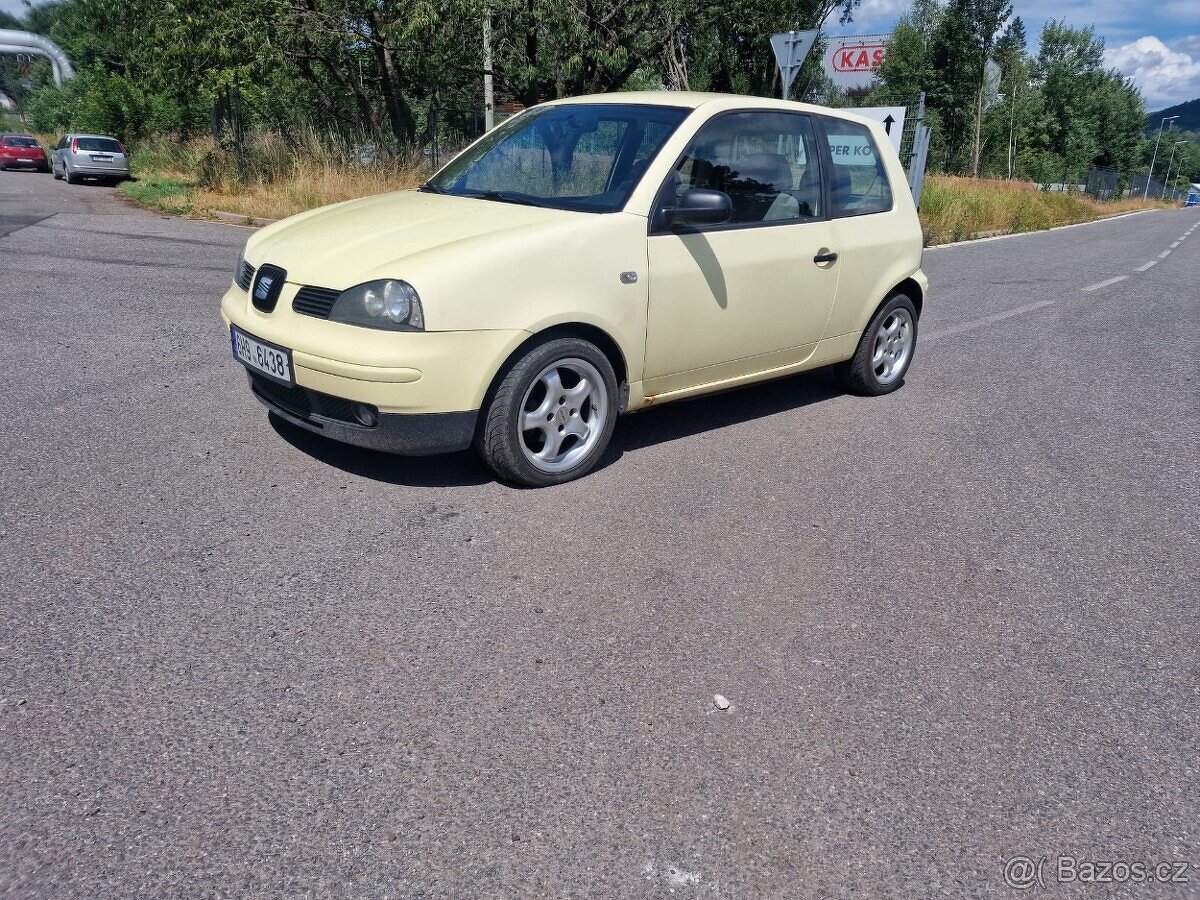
(700, 206)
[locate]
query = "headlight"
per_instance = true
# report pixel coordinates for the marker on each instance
(392, 305)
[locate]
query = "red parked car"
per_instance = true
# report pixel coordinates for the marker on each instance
(22, 151)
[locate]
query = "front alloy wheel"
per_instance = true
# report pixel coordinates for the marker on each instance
(552, 414)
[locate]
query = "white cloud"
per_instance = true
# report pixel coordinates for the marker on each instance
(1165, 76)
(1187, 44)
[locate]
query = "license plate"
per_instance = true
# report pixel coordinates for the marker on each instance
(274, 362)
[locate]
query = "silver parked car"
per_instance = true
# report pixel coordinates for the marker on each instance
(79, 156)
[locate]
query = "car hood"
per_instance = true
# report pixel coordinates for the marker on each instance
(360, 240)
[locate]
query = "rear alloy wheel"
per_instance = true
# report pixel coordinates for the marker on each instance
(885, 350)
(72, 178)
(552, 415)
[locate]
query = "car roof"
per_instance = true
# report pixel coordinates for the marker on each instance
(697, 99)
(107, 137)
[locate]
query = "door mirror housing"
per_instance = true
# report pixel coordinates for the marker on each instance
(701, 206)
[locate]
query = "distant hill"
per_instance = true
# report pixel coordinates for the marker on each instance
(1189, 116)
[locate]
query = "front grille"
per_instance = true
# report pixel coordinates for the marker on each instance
(304, 403)
(315, 301)
(245, 276)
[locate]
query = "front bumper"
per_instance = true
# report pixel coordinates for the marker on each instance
(410, 434)
(418, 392)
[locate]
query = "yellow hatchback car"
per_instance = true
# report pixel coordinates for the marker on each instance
(586, 258)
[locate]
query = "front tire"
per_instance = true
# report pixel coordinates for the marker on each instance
(885, 350)
(552, 414)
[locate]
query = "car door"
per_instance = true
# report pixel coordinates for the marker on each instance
(750, 295)
(873, 238)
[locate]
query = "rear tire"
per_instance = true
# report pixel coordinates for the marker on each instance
(72, 178)
(551, 416)
(885, 350)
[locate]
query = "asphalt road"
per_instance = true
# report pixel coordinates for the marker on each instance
(957, 624)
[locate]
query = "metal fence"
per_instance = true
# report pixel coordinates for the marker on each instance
(1111, 184)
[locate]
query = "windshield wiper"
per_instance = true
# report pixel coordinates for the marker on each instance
(430, 188)
(505, 197)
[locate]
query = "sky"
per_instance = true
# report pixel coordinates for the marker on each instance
(1156, 44)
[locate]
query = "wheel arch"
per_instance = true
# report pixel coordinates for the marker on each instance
(911, 289)
(590, 333)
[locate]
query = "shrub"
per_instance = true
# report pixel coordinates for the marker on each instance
(102, 102)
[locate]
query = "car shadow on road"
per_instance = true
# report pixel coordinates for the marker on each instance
(662, 425)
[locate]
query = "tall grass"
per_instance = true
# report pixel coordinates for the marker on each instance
(270, 176)
(275, 179)
(955, 209)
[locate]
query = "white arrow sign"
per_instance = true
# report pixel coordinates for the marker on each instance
(791, 47)
(892, 118)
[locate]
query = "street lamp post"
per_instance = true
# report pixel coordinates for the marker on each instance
(1146, 192)
(1167, 179)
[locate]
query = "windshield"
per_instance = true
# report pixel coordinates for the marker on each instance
(587, 157)
(98, 145)
(20, 142)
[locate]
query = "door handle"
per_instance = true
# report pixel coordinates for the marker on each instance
(827, 257)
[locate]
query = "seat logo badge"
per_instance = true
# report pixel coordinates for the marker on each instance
(264, 287)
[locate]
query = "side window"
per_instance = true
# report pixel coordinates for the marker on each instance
(858, 183)
(766, 162)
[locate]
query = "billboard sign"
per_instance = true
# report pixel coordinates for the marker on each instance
(851, 60)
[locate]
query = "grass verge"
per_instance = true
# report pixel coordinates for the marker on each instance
(958, 209)
(270, 178)
(170, 195)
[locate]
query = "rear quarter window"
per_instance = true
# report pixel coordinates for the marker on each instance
(858, 181)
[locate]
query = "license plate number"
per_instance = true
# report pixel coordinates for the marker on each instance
(274, 362)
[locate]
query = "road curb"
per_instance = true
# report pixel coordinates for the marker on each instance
(984, 237)
(240, 219)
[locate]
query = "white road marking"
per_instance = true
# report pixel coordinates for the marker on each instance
(1164, 254)
(1149, 265)
(1176, 244)
(979, 323)
(1103, 284)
